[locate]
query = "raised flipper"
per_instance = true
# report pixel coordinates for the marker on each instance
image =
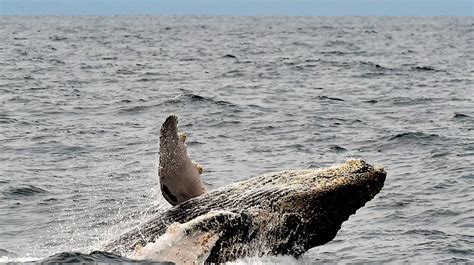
(180, 177)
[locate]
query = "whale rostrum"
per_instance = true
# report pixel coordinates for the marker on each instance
(282, 213)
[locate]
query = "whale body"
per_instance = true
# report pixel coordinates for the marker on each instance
(282, 213)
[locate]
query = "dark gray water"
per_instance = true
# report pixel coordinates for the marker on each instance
(82, 100)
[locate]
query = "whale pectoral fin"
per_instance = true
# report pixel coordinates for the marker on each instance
(225, 228)
(199, 168)
(215, 221)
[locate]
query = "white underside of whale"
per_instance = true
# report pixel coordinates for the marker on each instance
(181, 243)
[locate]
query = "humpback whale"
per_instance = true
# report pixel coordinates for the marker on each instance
(180, 177)
(282, 213)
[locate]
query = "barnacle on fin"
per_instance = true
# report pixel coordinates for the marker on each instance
(182, 136)
(199, 168)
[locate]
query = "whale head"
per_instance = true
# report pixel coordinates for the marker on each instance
(320, 201)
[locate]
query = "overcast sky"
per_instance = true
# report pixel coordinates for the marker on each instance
(240, 7)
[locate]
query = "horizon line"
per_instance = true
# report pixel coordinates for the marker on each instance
(226, 15)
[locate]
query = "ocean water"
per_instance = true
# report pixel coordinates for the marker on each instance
(82, 100)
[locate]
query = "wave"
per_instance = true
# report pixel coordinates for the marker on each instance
(412, 101)
(424, 68)
(28, 190)
(57, 38)
(94, 257)
(5, 118)
(334, 53)
(233, 73)
(134, 109)
(379, 69)
(329, 98)
(371, 101)
(414, 136)
(338, 149)
(6, 254)
(461, 116)
(195, 98)
(426, 232)
(375, 66)
(229, 56)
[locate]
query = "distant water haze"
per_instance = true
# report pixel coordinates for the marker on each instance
(82, 100)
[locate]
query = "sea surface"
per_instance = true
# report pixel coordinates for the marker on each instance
(82, 100)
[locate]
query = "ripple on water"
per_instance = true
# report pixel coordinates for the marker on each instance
(134, 109)
(338, 149)
(6, 254)
(414, 137)
(27, 190)
(461, 116)
(191, 98)
(425, 69)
